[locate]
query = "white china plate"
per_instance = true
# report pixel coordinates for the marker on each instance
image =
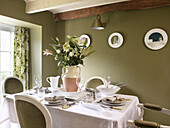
(73, 95)
(156, 39)
(113, 104)
(83, 37)
(61, 90)
(56, 98)
(115, 40)
(54, 103)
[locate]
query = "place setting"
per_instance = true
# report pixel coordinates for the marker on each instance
(59, 101)
(113, 102)
(54, 101)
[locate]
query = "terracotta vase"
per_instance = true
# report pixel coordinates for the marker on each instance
(69, 75)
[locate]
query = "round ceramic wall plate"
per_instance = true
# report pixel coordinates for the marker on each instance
(156, 39)
(84, 37)
(115, 40)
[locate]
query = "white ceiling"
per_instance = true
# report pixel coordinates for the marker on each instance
(58, 6)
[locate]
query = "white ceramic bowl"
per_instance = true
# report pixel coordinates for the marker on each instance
(108, 89)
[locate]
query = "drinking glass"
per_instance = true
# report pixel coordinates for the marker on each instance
(38, 79)
(108, 80)
(80, 83)
(41, 92)
(89, 98)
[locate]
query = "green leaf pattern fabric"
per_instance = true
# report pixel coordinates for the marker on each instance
(21, 54)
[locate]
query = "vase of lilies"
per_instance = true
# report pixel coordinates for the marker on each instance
(69, 55)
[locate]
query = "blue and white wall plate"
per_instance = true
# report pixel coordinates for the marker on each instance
(156, 39)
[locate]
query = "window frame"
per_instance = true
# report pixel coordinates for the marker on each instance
(11, 52)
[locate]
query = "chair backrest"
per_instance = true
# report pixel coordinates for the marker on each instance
(95, 81)
(12, 85)
(141, 123)
(144, 124)
(32, 113)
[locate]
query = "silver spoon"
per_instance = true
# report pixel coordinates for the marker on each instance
(118, 83)
(123, 85)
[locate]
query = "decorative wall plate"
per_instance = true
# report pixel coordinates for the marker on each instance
(156, 39)
(84, 37)
(115, 40)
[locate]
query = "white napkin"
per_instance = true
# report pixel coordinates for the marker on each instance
(96, 107)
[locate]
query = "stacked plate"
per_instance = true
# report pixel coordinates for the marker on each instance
(113, 102)
(56, 100)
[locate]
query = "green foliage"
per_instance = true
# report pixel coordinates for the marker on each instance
(70, 53)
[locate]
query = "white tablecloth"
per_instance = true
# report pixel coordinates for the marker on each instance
(78, 116)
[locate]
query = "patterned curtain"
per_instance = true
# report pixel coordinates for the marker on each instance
(21, 54)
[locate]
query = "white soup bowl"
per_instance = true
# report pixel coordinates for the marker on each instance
(108, 89)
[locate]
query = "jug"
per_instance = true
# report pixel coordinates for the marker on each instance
(53, 81)
(69, 75)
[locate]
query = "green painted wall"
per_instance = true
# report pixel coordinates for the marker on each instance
(146, 72)
(16, 9)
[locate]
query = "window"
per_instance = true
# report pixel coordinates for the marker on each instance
(6, 55)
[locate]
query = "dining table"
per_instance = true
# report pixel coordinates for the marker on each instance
(81, 114)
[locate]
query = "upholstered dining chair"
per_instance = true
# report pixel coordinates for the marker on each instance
(32, 113)
(94, 81)
(148, 124)
(12, 85)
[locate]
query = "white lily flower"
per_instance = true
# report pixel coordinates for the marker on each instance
(66, 46)
(58, 51)
(71, 53)
(77, 40)
(66, 49)
(47, 52)
(66, 57)
(56, 57)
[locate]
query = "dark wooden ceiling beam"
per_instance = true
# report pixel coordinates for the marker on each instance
(129, 5)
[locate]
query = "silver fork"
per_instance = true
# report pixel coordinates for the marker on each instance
(110, 107)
